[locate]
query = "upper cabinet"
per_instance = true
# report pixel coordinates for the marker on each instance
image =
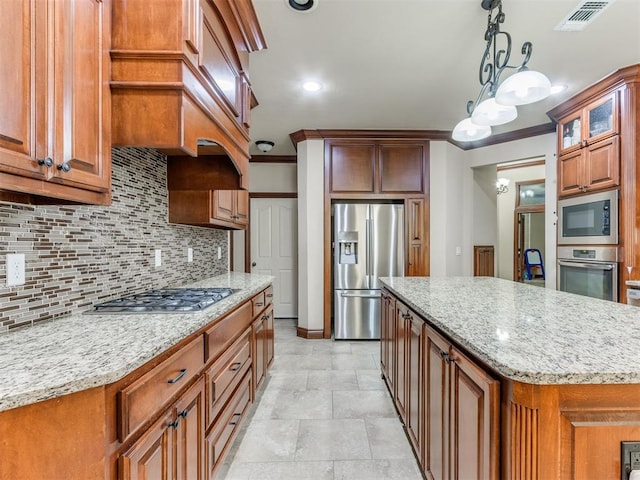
(180, 77)
(55, 126)
(599, 148)
(391, 168)
(588, 147)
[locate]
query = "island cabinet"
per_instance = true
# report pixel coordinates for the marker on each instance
(262, 332)
(55, 143)
(449, 404)
(388, 339)
(175, 417)
(180, 78)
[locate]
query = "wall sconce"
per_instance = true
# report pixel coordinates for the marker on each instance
(502, 185)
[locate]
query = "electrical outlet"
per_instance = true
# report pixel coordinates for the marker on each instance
(15, 269)
(629, 458)
(219, 253)
(458, 250)
(189, 254)
(158, 257)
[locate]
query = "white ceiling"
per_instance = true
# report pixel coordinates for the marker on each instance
(413, 64)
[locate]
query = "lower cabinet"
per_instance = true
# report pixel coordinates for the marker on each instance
(450, 406)
(387, 339)
(173, 446)
(190, 438)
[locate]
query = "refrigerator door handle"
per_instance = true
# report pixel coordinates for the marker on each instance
(368, 233)
(360, 295)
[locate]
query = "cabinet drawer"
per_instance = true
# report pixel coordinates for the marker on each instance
(268, 296)
(258, 303)
(138, 402)
(225, 374)
(226, 330)
(227, 425)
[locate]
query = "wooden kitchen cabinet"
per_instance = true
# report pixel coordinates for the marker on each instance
(225, 209)
(180, 80)
(450, 405)
(388, 168)
(588, 147)
(462, 414)
(173, 447)
(417, 237)
(608, 115)
(387, 339)
(262, 333)
(55, 142)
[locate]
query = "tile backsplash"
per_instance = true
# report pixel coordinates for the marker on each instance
(79, 255)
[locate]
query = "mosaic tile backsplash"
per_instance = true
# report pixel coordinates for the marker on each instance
(79, 255)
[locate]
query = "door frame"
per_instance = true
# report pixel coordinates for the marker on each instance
(518, 259)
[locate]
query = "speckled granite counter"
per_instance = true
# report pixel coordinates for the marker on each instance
(527, 333)
(82, 351)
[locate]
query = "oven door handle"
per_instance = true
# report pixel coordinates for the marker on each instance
(595, 266)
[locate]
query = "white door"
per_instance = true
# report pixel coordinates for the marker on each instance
(274, 249)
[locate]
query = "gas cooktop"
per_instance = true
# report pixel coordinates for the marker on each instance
(168, 300)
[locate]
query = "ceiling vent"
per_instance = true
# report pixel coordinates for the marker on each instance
(582, 15)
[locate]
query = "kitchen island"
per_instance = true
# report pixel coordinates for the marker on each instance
(97, 396)
(497, 379)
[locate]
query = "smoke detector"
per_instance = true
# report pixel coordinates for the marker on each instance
(581, 16)
(302, 5)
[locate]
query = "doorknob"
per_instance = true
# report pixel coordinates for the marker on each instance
(253, 264)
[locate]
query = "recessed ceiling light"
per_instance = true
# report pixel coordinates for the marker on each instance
(302, 5)
(312, 86)
(558, 88)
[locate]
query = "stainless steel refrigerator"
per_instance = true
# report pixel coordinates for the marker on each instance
(368, 242)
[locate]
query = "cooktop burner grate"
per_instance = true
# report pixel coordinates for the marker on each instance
(168, 300)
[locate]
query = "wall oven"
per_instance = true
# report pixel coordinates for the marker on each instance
(589, 219)
(589, 271)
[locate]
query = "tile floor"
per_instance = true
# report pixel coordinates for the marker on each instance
(323, 413)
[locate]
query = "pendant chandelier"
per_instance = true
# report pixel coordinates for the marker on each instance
(496, 103)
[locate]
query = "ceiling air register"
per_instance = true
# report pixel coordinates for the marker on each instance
(496, 103)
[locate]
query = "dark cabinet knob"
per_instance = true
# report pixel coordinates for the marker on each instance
(64, 167)
(47, 162)
(253, 264)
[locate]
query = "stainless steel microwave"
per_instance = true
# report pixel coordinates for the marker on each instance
(589, 220)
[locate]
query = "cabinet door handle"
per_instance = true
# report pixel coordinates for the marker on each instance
(180, 375)
(235, 419)
(174, 424)
(184, 413)
(64, 167)
(47, 162)
(269, 295)
(234, 367)
(259, 304)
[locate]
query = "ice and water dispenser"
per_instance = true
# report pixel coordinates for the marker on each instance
(348, 248)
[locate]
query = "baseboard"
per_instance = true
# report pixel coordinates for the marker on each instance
(310, 334)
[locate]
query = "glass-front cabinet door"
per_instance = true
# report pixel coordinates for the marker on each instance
(597, 121)
(601, 118)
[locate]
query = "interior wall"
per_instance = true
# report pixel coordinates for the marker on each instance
(506, 215)
(485, 206)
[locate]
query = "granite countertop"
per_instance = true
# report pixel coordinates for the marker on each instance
(528, 333)
(81, 351)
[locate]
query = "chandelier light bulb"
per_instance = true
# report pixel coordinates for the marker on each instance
(524, 87)
(489, 113)
(467, 131)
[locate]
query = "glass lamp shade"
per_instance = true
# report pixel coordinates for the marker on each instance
(523, 87)
(491, 113)
(467, 131)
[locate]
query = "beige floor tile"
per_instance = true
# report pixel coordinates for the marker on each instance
(268, 440)
(350, 361)
(285, 362)
(387, 439)
(377, 470)
(332, 380)
(362, 404)
(370, 380)
(294, 404)
(286, 380)
(292, 471)
(332, 440)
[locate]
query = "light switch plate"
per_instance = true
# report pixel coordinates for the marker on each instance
(189, 254)
(158, 257)
(219, 253)
(15, 269)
